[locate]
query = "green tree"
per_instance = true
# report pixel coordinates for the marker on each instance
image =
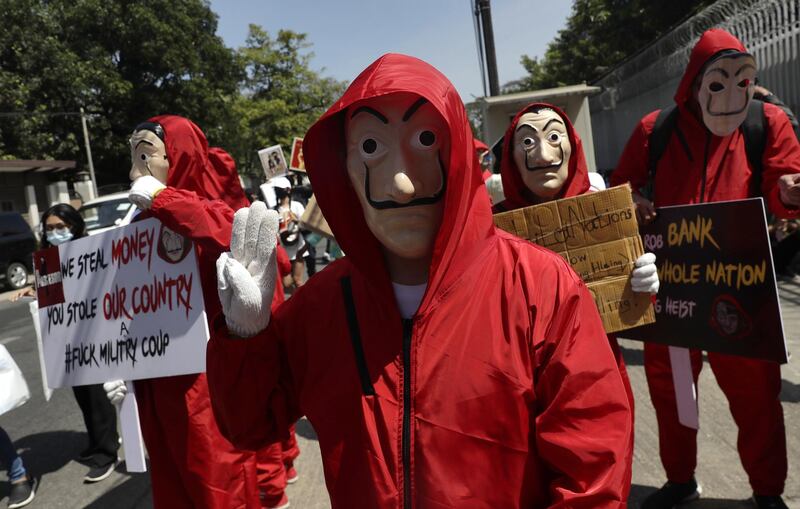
(123, 61)
(281, 95)
(600, 34)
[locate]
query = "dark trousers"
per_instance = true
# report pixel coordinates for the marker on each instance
(784, 251)
(101, 423)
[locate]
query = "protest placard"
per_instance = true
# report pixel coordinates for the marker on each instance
(598, 235)
(124, 304)
(718, 290)
(272, 161)
(314, 220)
(296, 161)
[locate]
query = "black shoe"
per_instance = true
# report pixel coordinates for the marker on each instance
(22, 494)
(97, 474)
(763, 502)
(672, 494)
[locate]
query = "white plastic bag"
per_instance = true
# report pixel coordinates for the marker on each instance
(13, 389)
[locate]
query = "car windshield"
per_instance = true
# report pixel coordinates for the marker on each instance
(105, 214)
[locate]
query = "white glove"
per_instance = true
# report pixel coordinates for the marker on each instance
(246, 275)
(115, 391)
(644, 278)
(144, 190)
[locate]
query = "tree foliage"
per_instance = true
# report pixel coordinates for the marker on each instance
(127, 60)
(281, 95)
(600, 34)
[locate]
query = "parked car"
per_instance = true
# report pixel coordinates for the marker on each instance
(17, 245)
(107, 212)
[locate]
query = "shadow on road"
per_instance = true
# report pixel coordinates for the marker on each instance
(639, 493)
(48, 452)
(134, 493)
(305, 430)
(632, 357)
(790, 392)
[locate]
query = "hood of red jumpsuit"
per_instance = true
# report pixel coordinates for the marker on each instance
(466, 222)
(514, 188)
(710, 43)
(193, 166)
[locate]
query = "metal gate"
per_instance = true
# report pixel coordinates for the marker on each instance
(770, 29)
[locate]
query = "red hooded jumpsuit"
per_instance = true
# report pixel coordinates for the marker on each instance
(713, 168)
(500, 392)
(576, 184)
(192, 465)
(274, 459)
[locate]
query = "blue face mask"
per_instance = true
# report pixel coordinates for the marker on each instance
(57, 237)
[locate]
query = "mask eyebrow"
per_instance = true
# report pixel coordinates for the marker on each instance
(717, 69)
(532, 128)
(551, 121)
(413, 109)
(143, 141)
(366, 109)
(744, 67)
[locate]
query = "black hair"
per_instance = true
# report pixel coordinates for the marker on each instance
(70, 216)
(152, 127)
(281, 193)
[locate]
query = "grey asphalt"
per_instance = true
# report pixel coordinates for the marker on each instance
(50, 435)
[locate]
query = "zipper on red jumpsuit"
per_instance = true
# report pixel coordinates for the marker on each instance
(408, 328)
(705, 168)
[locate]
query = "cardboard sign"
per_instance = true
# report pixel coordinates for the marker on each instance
(130, 306)
(272, 161)
(598, 235)
(314, 220)
(718, 290)
(296, 161)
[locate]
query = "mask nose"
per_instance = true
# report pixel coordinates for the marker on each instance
(541, 155)
(401, 189)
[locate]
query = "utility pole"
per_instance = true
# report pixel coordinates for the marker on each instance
(485, 11)
(88, 151)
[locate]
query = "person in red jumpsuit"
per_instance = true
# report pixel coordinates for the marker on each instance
(442, 363)
(193, 190)
(543, 160)
(705, 161)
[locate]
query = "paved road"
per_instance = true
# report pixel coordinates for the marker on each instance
(50, 435)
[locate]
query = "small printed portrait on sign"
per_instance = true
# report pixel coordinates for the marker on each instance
(273, 161)
(172, 247)
(728, 318)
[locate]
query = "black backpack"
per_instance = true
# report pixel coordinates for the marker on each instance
(754, 129)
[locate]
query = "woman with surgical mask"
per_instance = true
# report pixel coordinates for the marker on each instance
(60, 224)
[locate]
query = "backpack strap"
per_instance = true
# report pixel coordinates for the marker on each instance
(754, 130)
(658, 140)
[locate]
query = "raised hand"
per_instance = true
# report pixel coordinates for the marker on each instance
(246, 275)
(144, 190)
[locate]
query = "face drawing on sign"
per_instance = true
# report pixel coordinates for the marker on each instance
(172, 247)
(728, 318)
(724, 92)
(148, 152)
(395, 146)
(541, 152)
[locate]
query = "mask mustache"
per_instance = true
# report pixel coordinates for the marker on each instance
(390, 204)
(546, 167)
(726, 113)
